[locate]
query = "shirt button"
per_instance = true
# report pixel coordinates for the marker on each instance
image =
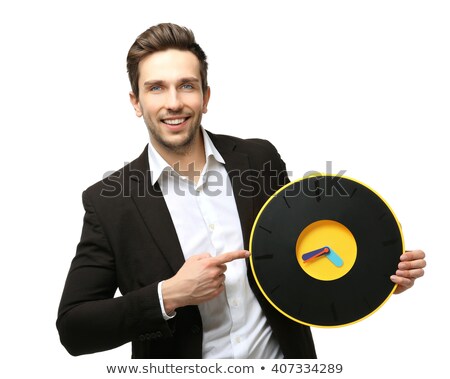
(211, 227)
(237, 339)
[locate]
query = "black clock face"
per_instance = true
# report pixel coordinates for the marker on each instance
(323, 250)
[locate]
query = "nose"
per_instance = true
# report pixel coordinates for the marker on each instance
(173, 101)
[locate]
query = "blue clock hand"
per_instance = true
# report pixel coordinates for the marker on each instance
(334, 258)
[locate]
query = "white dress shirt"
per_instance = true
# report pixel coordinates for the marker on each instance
(206, 221)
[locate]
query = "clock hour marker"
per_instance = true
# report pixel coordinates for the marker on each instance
(259, 257)
(274, 288)
(285, 200)
(334, 312)
(318, 195)
(367, 302)
(382, 215)
(318, 191)
(390, 242)
(265, 229)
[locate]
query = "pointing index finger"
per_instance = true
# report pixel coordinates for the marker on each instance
(231, 256)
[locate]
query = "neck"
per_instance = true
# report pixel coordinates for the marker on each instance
(188, 162)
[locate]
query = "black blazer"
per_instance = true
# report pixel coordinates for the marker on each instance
(129, 242)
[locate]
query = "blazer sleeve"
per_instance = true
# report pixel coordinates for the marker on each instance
(90, 319)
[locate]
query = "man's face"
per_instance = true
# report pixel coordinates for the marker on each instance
(171, 99)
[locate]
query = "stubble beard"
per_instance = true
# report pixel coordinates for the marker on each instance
(183, 147)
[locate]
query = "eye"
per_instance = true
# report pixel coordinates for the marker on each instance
(187, 86)
(155, 88)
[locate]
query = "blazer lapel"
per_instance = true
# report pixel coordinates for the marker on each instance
(150, 203)
(237, 166)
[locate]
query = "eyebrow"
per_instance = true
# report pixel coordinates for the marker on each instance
(189, 79)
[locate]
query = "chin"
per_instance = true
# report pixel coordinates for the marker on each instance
(176, 144)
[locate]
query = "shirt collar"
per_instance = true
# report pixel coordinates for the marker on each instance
(158, 165)
(210, 149)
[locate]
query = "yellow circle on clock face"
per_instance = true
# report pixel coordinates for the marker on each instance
(331, 235)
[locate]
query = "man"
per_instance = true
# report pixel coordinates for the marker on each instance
(166, 227)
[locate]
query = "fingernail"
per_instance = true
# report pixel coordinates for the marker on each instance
(247, 253)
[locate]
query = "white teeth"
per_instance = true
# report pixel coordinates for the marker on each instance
(175, 122)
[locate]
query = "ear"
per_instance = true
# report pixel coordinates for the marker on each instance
(206, 97)
(135, 103)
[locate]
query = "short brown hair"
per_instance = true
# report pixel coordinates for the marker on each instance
(159, 38)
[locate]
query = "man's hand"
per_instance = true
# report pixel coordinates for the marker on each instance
(410, 268)
(200, 279)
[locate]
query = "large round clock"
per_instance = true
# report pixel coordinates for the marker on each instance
(323, 249)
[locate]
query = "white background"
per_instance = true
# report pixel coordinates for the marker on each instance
(364, 84)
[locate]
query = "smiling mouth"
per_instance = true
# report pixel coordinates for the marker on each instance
(175, 121)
